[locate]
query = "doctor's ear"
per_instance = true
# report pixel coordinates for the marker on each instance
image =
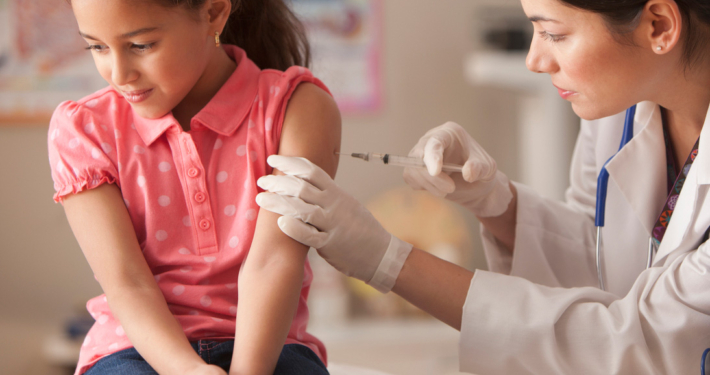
(661, 26)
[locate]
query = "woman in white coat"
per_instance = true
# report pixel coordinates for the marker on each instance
(540, 310)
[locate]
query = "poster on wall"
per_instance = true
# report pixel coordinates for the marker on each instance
(345, 37)
(43, 61)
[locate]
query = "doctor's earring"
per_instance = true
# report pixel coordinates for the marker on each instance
(659, 48)
(216, 39)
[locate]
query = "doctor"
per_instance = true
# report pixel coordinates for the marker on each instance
(539, 310)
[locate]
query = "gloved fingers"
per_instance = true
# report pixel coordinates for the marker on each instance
(291, 186)
(434, 154)
(439, 185)
(474, 170)
(302, 232)
(303, 168)
(292, 206)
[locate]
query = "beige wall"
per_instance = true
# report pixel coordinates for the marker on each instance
(43, 274)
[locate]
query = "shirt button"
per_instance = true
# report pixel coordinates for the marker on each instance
(205, 224)
(193, 172)
(200, 197)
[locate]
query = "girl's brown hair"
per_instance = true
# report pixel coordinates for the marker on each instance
(267, 30)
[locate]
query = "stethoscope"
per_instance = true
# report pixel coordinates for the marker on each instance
(602, 183)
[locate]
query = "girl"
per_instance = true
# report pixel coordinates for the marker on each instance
(157, 176)
(541, 311)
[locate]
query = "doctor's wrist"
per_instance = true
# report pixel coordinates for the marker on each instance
(488, 199)
(391, 264)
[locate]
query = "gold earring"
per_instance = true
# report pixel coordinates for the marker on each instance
(216, 39)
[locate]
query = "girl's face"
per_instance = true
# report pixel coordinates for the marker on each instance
(599, 75)
(151, 54)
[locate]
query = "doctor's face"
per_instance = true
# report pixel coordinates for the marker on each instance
(597, 73)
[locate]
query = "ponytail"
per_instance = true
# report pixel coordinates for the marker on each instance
(269, 32)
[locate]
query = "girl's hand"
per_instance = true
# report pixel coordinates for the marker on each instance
(206, 369)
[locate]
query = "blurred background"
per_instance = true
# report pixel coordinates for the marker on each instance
(397, 69)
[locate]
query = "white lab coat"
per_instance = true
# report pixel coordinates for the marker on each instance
(551, 318)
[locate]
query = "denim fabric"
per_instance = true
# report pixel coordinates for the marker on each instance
(295, 359)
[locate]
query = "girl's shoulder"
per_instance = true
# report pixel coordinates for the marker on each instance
(276, 81)
(105, 108)
(276, 87)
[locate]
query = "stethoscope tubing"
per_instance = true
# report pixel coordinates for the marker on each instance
(602, 184)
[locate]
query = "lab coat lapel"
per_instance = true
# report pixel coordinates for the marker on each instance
(639, 169)
(687, 206)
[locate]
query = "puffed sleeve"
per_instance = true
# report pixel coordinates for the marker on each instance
(82, 151)
(280, 93)
(554, 241)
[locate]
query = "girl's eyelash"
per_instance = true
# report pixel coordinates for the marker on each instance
(95, 47)
(551, 37)
(139, 47)
(143, 47)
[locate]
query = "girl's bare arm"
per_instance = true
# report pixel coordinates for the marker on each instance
(270, 281)
(103, 228)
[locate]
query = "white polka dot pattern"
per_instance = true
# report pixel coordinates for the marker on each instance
(164, 200)
(161, 235)
(241, 150)
(190, 196)
(230, 210)
(250, 215)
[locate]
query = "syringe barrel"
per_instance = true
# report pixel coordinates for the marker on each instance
(403, 161)
(406, 161)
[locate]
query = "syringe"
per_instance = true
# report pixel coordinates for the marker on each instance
(402, 161)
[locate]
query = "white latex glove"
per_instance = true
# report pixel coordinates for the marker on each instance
(319, 214)
(480, 187)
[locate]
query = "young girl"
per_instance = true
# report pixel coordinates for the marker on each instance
(157, 177)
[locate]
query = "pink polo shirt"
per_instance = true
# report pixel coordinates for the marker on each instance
(190, 195)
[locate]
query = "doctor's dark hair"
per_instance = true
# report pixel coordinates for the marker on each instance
(622, 17)
(269, 32)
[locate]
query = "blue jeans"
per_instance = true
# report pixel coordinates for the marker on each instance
(295, 359)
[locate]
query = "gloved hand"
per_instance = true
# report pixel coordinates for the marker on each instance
(318, 213)
(480, 187)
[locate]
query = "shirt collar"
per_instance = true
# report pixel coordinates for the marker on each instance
(227, 109)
